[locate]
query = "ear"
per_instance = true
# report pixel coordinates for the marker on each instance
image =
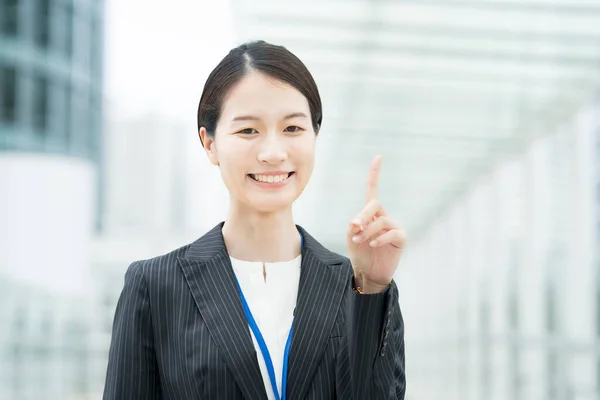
(209, 146)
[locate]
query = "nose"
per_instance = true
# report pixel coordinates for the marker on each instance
(273, 150)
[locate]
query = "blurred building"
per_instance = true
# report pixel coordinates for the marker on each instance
(146, 172)
(502, 294)
(51, 57)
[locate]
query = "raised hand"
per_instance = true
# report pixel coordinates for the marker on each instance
(375, 242)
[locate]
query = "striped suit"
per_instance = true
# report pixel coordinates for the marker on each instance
(180, 332)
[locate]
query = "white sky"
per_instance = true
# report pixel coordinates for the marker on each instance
(159, 53)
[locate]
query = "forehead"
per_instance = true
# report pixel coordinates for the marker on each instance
(263, 96)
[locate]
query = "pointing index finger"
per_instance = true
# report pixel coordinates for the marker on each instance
(373, 181)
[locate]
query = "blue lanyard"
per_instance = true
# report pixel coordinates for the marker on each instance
(263, 346)
(265, 351)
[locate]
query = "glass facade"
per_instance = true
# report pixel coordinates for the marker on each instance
(509, 303)
(46, 345)
(596, 174)
(51, 55)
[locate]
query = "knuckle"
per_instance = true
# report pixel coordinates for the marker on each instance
(383, 221)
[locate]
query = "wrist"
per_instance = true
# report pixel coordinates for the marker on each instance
(364, 286)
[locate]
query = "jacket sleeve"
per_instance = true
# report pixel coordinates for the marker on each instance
(132, 372)
(376, 345)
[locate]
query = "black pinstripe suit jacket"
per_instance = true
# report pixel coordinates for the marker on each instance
(180, 332)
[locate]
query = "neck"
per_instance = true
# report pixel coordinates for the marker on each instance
(263, 237)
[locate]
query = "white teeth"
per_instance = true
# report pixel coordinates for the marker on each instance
(270, 178)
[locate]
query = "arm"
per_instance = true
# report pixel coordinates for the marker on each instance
(132, 369)
(376, 345)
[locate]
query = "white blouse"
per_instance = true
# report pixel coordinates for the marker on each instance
(272, 302)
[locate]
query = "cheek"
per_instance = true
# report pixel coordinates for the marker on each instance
(231, 167)
(232, 155)
(303, 147)
(305, 152)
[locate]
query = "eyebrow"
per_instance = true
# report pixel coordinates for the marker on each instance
(254, 118)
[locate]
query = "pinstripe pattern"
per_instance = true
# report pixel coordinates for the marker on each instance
(180, 332)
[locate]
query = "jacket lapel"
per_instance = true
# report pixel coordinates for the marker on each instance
(210, 277)
(323, 281)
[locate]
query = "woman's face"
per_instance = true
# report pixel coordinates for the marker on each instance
(264, 143)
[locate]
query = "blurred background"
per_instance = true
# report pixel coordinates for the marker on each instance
(486, 112)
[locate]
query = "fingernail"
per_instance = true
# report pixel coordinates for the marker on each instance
(373, 243)
(356, 238)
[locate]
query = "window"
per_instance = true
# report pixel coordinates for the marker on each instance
(65, 122)
(551, 292)
(555, 259)
(93, 127)
(598, 301)
(69, 15)
(93, 43)
(40, 103)
(96, 42)
(9, 17)
(81, 133)
(8, 94)
(513, 321)
(64, 21)
(485, 349)
(42, 23)
(84, 42)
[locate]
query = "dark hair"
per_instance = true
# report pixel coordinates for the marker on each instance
(274, 61)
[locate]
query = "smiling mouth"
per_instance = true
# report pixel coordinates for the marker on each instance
(270, 178)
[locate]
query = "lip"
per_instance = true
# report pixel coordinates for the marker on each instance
(271, 173)
(272, 185)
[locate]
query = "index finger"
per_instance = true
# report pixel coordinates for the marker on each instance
(373, 181)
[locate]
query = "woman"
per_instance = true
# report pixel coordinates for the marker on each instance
(257, 308)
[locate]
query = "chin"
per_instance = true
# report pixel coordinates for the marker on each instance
(271, 205)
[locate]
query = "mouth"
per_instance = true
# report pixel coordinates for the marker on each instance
(271, 178)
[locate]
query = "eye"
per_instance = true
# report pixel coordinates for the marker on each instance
(293, 129)
(248, 131)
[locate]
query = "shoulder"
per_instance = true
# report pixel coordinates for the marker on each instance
(156, 268)
(166, 267)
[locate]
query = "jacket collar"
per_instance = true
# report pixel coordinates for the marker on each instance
(323, 280)
(209, 245)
